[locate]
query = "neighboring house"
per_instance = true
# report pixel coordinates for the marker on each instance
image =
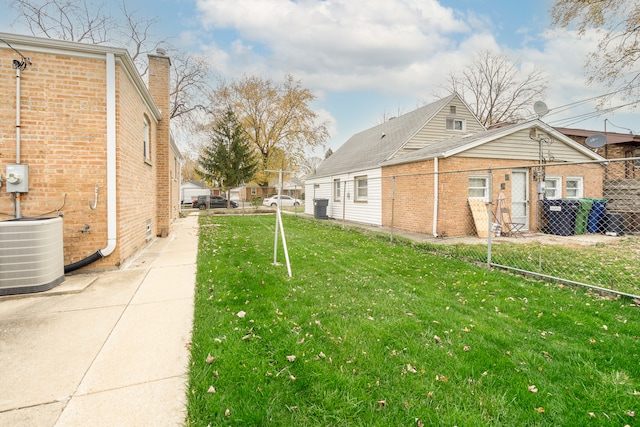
(359, 160)
(96, 142)
(617, 146)
(622, 179)
(189, 191)
(428, 151)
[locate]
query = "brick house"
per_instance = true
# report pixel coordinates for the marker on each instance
(97, 144)
(418, 171)
(617, 146)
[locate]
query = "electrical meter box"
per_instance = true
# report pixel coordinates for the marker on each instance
(17, 178)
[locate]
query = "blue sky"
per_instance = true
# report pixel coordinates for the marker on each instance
(364, 59)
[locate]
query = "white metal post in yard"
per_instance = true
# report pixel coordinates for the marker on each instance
(280, 226)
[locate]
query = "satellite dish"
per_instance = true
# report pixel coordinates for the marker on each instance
(540, 108)
(596, 141)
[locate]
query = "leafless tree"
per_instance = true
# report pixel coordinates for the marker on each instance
(614, 62)
(496, 89)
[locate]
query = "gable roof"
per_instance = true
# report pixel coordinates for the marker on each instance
(451, 147)
(369, 148)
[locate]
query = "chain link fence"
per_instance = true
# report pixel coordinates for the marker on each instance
(577, 223)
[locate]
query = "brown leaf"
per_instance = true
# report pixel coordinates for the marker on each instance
(533, 389)
(466, 348)
(212, 389)
(411, 369)
(382, 403)
(227, 412)
(210, 359)
(592, 414)
(419, 422)
(438, 339)
(631, 413)
(541, 410)
(291, 358)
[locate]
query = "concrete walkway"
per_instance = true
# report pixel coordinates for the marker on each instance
(109, 349)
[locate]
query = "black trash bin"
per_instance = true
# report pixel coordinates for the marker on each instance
(560, 215)
(320, 208)
(613, 224)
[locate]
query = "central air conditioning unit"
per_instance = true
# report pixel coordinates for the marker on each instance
(31, 255)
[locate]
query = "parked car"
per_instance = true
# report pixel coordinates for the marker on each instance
(284, 201)
(214, 202)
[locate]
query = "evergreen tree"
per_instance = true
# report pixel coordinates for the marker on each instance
(228, 160)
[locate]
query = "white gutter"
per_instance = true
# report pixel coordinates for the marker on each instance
(111, 157)
(435, 197)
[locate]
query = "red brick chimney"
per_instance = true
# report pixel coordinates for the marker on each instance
(160, 87)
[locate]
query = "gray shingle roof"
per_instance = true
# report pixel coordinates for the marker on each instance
(369, 148)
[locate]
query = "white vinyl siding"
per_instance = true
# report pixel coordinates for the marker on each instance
(519, 146)
(366, 213)
(436, 129)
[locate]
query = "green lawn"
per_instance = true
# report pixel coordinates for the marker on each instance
(368, 333)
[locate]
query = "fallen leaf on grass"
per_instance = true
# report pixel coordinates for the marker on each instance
(241, 314)
(411, 369)
(533, 389)
(382, 403)
(631, 413)
(592, 341)
(419, 422)
(541, 410)
(291, 358)
(292, 378)
(437, 339)
(592, 415)
(466, 348)
(441, 378)
(212, 389)
(210, 358)
(227, 412)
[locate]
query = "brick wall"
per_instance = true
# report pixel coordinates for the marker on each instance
(64, 140)
(159, 69)
(414, 191)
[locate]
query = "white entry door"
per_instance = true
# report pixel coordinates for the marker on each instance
(520, 197)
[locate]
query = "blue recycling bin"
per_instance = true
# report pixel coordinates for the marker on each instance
(596, 215)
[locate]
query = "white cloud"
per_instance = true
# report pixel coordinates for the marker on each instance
(349, 40)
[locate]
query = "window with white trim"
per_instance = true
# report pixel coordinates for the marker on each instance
(254, 191)
(337, 196)
(479, 186)
(553, 187)
(456, 124)
(360, 188)
(574, 187)
(147, 139)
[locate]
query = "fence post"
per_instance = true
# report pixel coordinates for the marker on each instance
(489, 214)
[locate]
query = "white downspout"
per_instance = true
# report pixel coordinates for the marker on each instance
(18, 196)
(111, 157)
(435, 197)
